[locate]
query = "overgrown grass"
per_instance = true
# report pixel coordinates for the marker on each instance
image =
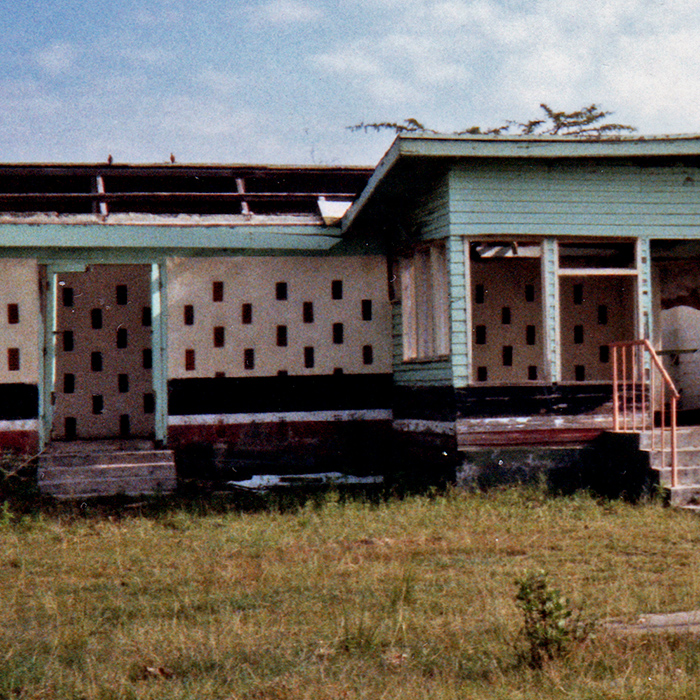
(410, 598)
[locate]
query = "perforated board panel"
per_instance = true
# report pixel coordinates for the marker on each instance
(103, 383)
(247, 317)
(507, 329)
(19, 322)
(595, 311)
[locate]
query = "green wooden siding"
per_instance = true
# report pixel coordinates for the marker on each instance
(431, 216)
(573, 198)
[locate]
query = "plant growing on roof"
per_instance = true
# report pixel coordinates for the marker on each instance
(587, 122)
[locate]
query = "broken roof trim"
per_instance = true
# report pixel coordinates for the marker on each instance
(111, 193)
(483, 146)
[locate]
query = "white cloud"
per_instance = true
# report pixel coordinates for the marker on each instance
(56, 58)
(285, 12)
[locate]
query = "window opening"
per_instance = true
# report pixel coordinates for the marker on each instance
(249, 358)
(96, 319)
(282, 336)
(122, 295)
(338, 333)
(67, 296)
(281, 291)
(480, 335)
(147, 359)
(307, 311)
(366, 309)
(246, 313)
(122, 338)
(146, 320)
(530, 335)
(68, 383)
(219, 336)
(190, 359)
(188, 315)
(217, 291)
(367, 355)
(123, 383)
(308, 357)
(482, 374)
(505, 315)
(96, 361)
(507, 355)
(98, 404)
(532, 372)
(13, 313)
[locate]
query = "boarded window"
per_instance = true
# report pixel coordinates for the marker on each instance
(425, 303)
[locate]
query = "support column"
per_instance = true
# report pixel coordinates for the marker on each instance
(645, 314)
(460, 317)
(159, 344)
(550, 309)
(47, 367)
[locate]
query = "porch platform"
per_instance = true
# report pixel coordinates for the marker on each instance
(519, 431)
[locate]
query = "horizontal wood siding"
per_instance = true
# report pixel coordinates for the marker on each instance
(429, 373)
(431, 216)
(574, 198)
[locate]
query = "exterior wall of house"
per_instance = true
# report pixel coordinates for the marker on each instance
(280, 361)
(20, 332)
(573, 198)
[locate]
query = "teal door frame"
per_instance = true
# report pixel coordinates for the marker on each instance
(159, 373)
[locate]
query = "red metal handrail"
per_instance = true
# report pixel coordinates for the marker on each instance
(637, 398)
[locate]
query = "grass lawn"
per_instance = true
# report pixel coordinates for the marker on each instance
(411, 598)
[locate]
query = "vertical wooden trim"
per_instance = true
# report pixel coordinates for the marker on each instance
(459, 330)
(159, 336)
(644, 296)
(47, 368)
(551, 310)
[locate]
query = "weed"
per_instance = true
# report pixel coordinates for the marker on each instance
(550, 624)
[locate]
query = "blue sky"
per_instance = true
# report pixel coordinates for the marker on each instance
(277, 81)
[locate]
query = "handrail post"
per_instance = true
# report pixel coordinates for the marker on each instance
(674, 444)
(616, 390)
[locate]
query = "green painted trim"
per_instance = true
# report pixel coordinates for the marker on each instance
(159, 346)
(468, 317)
(481, 146)
(460, 329)
(183, 237)
(551, 309)
(645, 313)
(47, 368)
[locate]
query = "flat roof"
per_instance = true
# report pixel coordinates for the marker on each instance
(436, 148)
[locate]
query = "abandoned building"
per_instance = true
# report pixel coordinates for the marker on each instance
(465, 296)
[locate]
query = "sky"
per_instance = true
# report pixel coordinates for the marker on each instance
(279, 81)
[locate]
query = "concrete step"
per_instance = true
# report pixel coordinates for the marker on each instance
(84, 459)
(686, 437)
(687, 476)
(80, 488)
(684, 496)
(106, 471)
(684, 457)
(106, 468)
